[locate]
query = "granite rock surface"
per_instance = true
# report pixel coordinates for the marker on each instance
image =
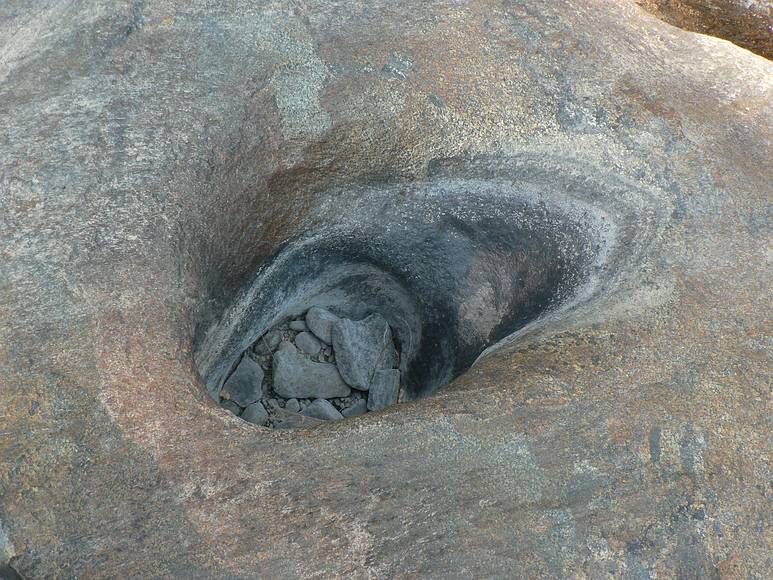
(155, 156)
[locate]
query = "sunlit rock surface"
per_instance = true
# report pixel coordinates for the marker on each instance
(155, 155)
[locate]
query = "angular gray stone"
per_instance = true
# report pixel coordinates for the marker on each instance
(298, 325)
(361, 348)
(357, 408)
(244, 386)
(267, 343)
(229, 405)
(293, 406)
(256, 413)
(308, 343)
(383, 389)
(320, 322)
(295, 376)
(322, 409)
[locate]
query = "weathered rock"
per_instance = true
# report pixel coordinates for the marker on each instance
(293, 406)
(156, 155)
(295, 376)
(383, 389)
(229, 405)
(308, 343)
(298, 326)
(362, 347)
(256, 413)
(244, 386)
(356, 408)
(320, 322)
(322, 409)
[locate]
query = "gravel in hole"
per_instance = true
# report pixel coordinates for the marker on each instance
(313, 369)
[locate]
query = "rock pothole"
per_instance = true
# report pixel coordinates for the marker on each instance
(314, 368)
(450, 270)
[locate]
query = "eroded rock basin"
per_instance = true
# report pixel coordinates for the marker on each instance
(454, 267)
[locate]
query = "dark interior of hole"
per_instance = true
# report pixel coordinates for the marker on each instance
(450, 278)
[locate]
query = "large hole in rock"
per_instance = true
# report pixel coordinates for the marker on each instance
(453, 267)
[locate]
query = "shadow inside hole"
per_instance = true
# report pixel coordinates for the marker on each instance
(453, 269)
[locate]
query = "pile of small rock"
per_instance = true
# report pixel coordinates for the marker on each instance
(317, 368)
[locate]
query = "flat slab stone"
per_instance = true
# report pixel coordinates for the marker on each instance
(361, 348)
(322, 409)
(244, 386)
(256, 413)
(320, 322)
(308, 343)
(384, 389)
(297, 377)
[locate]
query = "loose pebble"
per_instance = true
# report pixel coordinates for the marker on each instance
(244, 386)
(384, 389)
(320, 322)
(361, 348)
(322, 409)
(308, 343)
(256, 413)
(298, 326)
(358, 408)
(296, 376)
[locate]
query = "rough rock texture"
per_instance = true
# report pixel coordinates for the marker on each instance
(153, 156)
(383, 389)
(747, 23)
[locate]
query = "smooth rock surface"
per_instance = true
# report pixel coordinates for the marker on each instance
(320, 322)
(322, 409)
(255, 413)
(361, 347)
(298, 325)
(295, 376)
(383, 389)
(244, 386)
(306, 342)
(293, 406)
